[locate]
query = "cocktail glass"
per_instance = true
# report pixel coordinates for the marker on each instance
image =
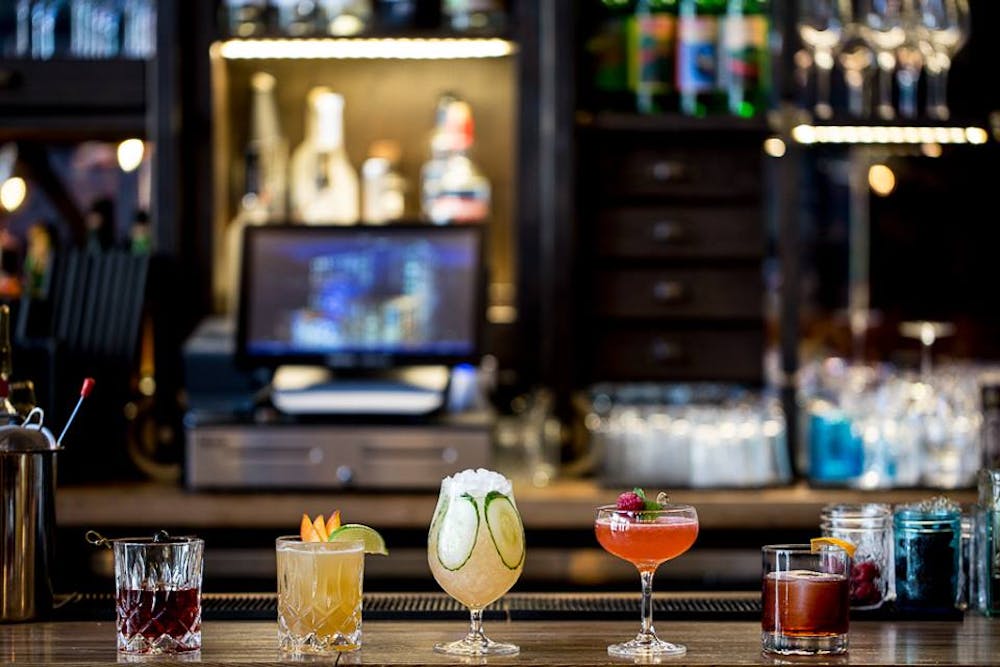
(475, 550)
(319, 595)
(805, 599)
(646, 539)
(158, 594)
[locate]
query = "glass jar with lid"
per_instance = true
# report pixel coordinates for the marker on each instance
(988, 556)
(928, 550)
(869, 527)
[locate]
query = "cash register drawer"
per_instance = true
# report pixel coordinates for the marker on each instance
(330, 456)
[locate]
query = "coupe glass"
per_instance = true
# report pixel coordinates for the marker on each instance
(646, 539)
(475, 550)
(881, 23)
(820, 26)
(945, 28)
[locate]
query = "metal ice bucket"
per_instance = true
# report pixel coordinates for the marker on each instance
(27, 521)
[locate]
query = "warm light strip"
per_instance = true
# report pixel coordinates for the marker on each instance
(353, 48)
(879, 134)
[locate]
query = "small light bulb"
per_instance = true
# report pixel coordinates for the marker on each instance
(130, 154)
(13, 192)
(881, 180)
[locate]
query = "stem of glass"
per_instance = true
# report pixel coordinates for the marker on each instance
(824, 63)
(937, 93)
(476, 627)
(885, 67)
(647, 634)
(908, 79)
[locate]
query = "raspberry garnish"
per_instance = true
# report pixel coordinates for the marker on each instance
(630, 501)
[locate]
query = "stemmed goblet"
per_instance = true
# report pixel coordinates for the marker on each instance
(646, 538)
(475, 549)
(881, 23)
(944, 27)
(820, 26)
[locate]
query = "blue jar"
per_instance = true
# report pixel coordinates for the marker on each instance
(928, 546)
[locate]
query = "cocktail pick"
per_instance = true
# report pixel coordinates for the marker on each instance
(88, 384)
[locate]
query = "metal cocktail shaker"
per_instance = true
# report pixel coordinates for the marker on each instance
(27, 521)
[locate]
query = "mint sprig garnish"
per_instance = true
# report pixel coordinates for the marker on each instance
(648, 504)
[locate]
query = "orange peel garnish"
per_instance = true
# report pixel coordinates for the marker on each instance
(816, 542)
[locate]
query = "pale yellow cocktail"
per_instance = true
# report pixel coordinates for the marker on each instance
(475, 549)
(319, 595)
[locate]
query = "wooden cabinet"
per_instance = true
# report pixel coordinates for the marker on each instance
(670, 243)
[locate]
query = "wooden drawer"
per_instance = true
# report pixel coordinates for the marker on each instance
(717, 232)
(732, 293)
(631, 355)
(682, 171)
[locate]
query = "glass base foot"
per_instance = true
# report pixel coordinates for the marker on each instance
(476, 645)
(645, 647)
(774, 642)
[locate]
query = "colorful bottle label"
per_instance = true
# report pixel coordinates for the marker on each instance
(651, 44)
(608, 48)
(744, 41)
(697, 54)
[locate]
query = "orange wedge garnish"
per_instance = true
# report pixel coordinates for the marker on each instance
(306, 531)
(320, 527)
(816, 542)
(333, 523)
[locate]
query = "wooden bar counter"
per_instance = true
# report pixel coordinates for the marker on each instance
(974, 641)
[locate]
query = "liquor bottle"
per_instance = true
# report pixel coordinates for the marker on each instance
(383, 187)
(324, 183)
(476, 16)
(651, 48)
(266, 155)
(698, 56)
(608, 47)
(745, 60)
(6, 365)
(431, 170)
(464, 194)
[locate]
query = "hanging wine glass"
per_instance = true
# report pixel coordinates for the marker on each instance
(820, 27)
(857, 60)
(944, 28)
(881, 23)
(910, 63)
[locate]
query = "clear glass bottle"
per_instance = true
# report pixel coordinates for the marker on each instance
(383, 188)
(297, 18)
(431, 170)
(651, 49)
(745, 58)
(345, 18)
(698, 56)
(464, 194)
(928, 553)
(247, 18)
(869, 527)
(325, 187)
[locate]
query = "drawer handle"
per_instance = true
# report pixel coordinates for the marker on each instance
(668, 291)
(668, 231)
(10, 79)
(666, 171)
(663, 351)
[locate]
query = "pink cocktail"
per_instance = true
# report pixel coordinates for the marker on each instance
(646, 538)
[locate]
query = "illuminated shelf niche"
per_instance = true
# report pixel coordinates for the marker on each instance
(389, 48)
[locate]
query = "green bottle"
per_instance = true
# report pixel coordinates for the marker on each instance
(745, 59)
(698, 77)
(651, 48)
(608, 49)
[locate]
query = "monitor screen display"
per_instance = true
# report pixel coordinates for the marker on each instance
(360, 297)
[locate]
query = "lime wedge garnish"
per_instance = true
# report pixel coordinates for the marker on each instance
(458, 529)
(816, 542)
(506, 530)
(374, 544)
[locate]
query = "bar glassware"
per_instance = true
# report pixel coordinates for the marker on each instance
(869, 527)
(319, 595)
(646, 539)
(158, 594)
(945, 25)
(475, 549)
(806, 599)
(928, 551)
(820, 26)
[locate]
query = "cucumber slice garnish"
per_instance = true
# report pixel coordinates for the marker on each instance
(457, 532)
(506, 530)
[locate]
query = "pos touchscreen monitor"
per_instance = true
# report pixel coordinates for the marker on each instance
(360, 297)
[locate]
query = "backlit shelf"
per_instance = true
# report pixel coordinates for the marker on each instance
(388, 48)
(887, 134)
